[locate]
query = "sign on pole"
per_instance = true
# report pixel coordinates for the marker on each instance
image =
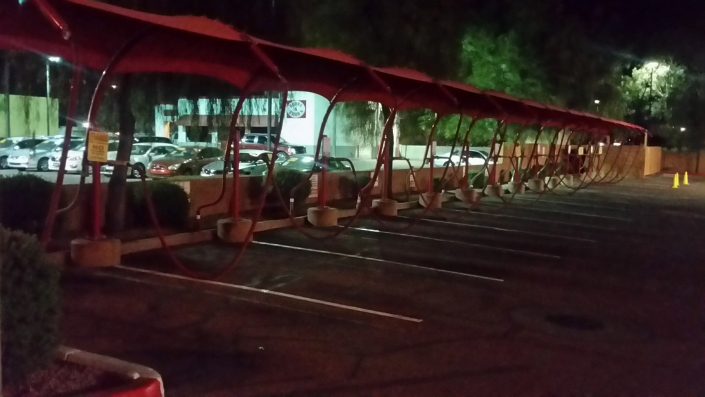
(98, 146)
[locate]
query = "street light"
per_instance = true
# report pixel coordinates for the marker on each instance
(50, 60)
(683, 129)
(597, 105)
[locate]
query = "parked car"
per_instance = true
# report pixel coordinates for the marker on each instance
(6, 145)
(151, 139)
(73, 156)
(261, 142)
(38, 156)
(142, 154)
(474, 158)
(183, 161)
(18, 153)
(300, 162)
(248, 158)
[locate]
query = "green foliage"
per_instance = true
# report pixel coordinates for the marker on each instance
(477, 180)
(500, 63)
(350, 186)
(24, 202)
(30, 306)
(288, 179)
(171, 204)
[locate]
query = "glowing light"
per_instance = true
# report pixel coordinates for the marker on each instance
(597, 101)
(683, 129)
(54, 59)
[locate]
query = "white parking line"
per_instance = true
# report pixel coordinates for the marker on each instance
(570, 203)
(526, 218)
(456, 242)
(505, 230)
(274, 293)
(370, 259)
(583, 214)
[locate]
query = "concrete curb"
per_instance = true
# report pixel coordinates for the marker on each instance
(122, 368)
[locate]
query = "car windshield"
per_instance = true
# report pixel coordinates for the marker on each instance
(301, 163)
(140, 149)
(46, 145)
(6, 143)
(29, 143)
(183, 153)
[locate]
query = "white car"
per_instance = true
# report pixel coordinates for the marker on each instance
(142, 154)
(74, 157)
(474, 157)
(35, 156)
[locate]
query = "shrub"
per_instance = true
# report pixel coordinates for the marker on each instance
(478, 180)
(30, 306)
(171, 203)
(288, 179)
(24, 202)
(350, 185)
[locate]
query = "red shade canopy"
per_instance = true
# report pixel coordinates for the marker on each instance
(200, 46)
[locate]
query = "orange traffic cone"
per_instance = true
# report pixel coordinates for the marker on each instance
(676, 179)
(685, 179)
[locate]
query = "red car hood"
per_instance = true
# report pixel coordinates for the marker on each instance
(166, 161)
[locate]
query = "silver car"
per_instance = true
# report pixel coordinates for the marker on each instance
(25, 155)
(6, 145)
(142, 154)
(74, 157)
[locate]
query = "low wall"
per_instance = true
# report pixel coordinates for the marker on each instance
(683, 161)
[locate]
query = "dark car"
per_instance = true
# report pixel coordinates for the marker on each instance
(183, 161)
(300, 162)
(261, 142)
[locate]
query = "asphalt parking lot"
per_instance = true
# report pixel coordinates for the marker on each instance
(595, 293)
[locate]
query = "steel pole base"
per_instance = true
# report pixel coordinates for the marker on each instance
(386, 207)
(234, 231)
(517, 188)
(537, 185)
(96, 253)
(431, 200)
(495, 190)
(470, 196)
(322, 216)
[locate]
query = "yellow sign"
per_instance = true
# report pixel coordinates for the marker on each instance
(98, 146)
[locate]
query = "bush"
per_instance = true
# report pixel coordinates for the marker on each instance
(350, 185)
(288, 179)
(30, 306)
(171, 204)
(24, 202)
(478, 180)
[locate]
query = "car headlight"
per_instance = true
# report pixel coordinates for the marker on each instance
(173, 167)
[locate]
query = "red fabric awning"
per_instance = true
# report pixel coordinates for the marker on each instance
(171, 44)
(200, 46)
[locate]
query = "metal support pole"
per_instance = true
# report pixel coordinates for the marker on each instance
(269, 122)
(48, 78)
(6, 88)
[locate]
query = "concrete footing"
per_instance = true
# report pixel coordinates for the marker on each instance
(234, 231)
(469, 196)
(322, 216)
(537, 185)
(386, 207)
(495, 190)
(517, 187)
(553, 182)
(96, 253)
(431, 200)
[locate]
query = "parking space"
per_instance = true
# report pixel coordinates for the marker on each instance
(593, 293)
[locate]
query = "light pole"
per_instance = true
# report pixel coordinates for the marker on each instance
(597, 105)
(50, 60)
